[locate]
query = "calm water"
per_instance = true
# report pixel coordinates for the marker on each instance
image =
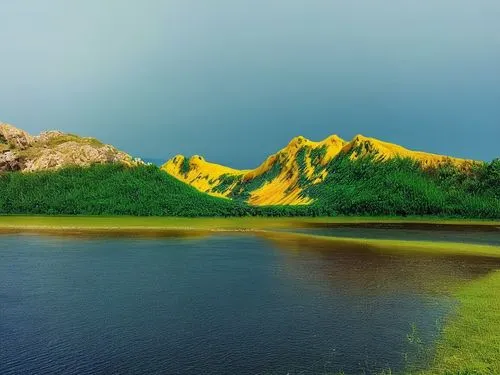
(215, 305)
(409, 232)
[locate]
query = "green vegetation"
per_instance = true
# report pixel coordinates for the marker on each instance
(243, 187)
(256, 222)
(185, 166)
(362, 187)
(111, 189)
(317, 154)
(53, 142)
(301, 161)
(145, 223)
(402, 187)
(470, 343)
(60, 139)
(225, 182)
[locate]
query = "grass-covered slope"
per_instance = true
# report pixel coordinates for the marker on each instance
(400, 186)
(284, 176)
(363, 186)
(109, 189)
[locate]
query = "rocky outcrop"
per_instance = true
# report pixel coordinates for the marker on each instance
(10, 162)
(14, 137)
(20, 151)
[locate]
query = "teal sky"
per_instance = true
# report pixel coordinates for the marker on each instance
(236, 80)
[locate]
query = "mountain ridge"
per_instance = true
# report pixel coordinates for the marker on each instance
(68, 174)
(281, 178)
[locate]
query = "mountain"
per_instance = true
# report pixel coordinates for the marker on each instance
(108, 189)
(20, 151)
(82, 176)
(365, 176)
(288, 177)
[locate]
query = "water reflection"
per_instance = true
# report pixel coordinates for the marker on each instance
(358, 268)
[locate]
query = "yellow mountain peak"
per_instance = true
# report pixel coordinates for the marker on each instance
(332, 139)
(280, 179)
(199, 173)
(298, 141)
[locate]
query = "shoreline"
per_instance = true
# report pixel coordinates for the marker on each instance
(267, 228)
(245, 222)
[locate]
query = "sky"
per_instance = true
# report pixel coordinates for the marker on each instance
(234, 81)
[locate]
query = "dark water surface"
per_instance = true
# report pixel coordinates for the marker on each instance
(215, 305)
(488, 235)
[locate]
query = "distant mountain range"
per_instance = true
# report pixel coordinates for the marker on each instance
(283, 178)
(59, 173)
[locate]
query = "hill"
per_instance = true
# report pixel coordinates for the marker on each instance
(285, 178)
(108, 189)
(57, 173)
(20, 151)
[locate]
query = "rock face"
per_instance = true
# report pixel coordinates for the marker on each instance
(20, 151)
(9, 162)
(15, 138)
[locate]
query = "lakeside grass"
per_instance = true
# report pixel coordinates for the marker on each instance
(470, 342)
(137, 224)
(102, 222)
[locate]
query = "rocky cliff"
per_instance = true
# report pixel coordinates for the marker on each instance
(20, 151)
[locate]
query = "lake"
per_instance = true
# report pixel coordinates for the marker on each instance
(220, 304)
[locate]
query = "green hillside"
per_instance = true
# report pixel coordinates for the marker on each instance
(364, 187)
(401, 187)
(109, 189)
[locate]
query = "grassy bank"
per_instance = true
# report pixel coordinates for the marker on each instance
(470, 343)
(368, 186)
(110, 189)
(103, 222)
(399, 187)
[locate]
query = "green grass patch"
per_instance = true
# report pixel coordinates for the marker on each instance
(225, 182)
(243, 188)
(56, 141)
(401, 187)
(111, 189)
(365, 187)
(256, 222)
(470, 343)
(185, 166)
